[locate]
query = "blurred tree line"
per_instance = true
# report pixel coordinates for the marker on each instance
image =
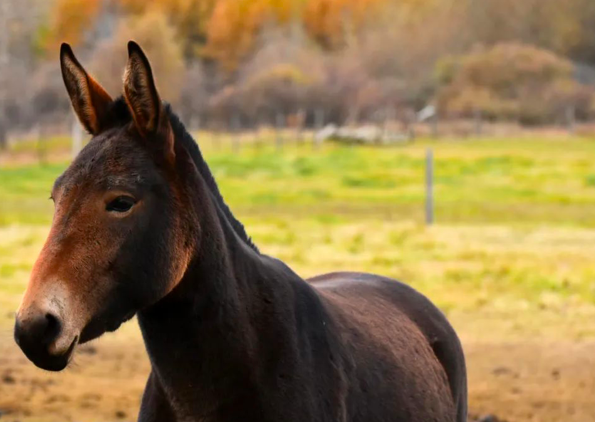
(521, 60)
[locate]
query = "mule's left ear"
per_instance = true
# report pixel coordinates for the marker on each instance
(140, 92)
(89, 100)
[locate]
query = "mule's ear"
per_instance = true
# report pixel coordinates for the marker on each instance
(140, 92)
(89, 100)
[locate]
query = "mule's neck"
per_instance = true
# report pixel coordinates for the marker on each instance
(210, 330)
(222, 263)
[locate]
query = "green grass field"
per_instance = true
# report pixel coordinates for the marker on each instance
(515, 217)
(513, 182)
(510, 260)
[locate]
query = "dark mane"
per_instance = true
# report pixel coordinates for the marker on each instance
(121, 116)
(182, 135)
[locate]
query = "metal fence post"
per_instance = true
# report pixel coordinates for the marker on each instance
(429, 187)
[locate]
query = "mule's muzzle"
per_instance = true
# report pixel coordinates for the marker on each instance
(40, 335)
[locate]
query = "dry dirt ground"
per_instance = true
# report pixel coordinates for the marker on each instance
(516, 381)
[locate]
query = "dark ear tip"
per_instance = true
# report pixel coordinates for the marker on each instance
(65, 49)
(133, 47)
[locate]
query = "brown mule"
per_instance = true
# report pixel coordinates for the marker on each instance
(233, 335)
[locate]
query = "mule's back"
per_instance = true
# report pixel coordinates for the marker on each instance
(405, 343)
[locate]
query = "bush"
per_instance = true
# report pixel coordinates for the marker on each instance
(511, 81)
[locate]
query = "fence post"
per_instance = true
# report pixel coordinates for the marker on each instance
(410, 126)
(478, 122)
(387, 118)
(300, 121)
(318, 125)
(259, 141)
(41, 147)
(434, 123)
(3, 133)
(214, 131)
(571, 119)
(235, 126)
(77, 137)
(429, 187)
(279, 126)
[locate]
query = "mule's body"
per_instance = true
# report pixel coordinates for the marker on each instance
(232, 334)
(348, 347)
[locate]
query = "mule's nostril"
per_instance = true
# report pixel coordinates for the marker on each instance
(52, 328)
(42, 336)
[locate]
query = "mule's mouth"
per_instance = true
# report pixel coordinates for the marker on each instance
(50, 362)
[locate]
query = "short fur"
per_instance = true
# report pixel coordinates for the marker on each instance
(232, 334)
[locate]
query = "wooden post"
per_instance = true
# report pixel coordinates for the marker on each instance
(214, 134)
(318, 125)
(258, 142)
(429, 187)
(478, 122)
(279, 125)
(571, 119)
(77, 137)
(300, 121)
(235, 135)
(388, 117)
(434, 123)
(5, 9)
(195, 124)
(3, 132)
(411, 126)
(41, 152)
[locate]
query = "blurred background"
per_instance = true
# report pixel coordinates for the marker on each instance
(446, 143)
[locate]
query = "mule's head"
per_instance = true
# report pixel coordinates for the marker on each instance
(119, 241)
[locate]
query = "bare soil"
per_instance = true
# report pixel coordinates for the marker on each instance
(514, 381)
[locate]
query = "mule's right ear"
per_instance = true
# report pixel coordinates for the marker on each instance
(89, 100)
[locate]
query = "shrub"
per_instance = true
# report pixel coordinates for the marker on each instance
(511, 81)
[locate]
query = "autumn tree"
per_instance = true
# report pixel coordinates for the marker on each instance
(189, 18)
(511, 81)
(68, 21)
(155, 34)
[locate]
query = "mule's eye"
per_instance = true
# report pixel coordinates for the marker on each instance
(120, 204)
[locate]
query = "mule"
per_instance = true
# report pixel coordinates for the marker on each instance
(140, 228)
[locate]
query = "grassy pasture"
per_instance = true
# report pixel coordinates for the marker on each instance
(516, 216)
(510, 260)
(519, 182)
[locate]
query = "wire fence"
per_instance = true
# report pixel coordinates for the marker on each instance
(314, 127)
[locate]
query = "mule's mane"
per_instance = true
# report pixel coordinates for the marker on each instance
(182, 135)
(122, 115)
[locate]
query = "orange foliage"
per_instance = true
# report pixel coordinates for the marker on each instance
(69, 20)
(226, 30)
(188, 17)
(329, 21)
(232, 29)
